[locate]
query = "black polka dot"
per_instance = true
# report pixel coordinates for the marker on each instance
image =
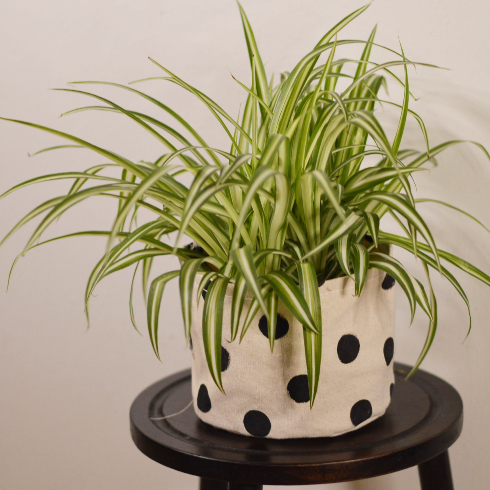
(282, 326)
(298, 389)
(203, 400)
(391, 389)
(225, 359)
(388, 350)
(348, 348)
(257, 423)
(195, 248)
(205, 290)
(388, 282)
(360, 412)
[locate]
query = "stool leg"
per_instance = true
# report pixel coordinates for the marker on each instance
(241, 486)
(435, 474)
(207, 484)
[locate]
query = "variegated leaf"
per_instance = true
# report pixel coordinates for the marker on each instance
(290, 294)
(153, 309)
(360, 262)
(212, 324)
(313, 341)
(244, 261)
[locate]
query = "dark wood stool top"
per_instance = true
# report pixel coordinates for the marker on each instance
(425, 418)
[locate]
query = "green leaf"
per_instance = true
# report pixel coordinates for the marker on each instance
(137, 193)
(343, 250)
(427, 259)
(379, 67)
(290, 294)
(363, 62)
(366, 121)
(255, 59)
(331, 190)
(204, 284)
(272, 303)
(212, 323)
(239, 292)
(65, 203)
(398, 203)
(372, 222)
(413, 290)
(244, 261)
(360, 262)
(106, 264)
(263, 106)
(261, 175)
(192, 207)
(253, 310)
(145, 276)
(343, 228)
(403, 115)
(432, 327)
(313, 341)
(123, 162)
(188, 272)
(58, 147)
(260, 256)
(453, 207)
(228, 171)
(58, 176)
(164, 107)
(369, 178)
(131, 294)
(153, 309)
(296, 80)
(138, 118)
(210, 104)
(79, 183)
(31, 215)
(132, 258)
(279, 217)
(306, 203)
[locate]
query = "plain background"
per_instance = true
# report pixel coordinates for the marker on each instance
(65, 392)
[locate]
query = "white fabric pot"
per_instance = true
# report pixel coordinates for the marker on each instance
(267, 394)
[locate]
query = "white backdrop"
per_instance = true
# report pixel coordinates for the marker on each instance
(66, 392)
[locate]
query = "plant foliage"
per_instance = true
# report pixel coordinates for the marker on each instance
(292, 203)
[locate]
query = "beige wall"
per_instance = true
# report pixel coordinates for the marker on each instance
(65, 392)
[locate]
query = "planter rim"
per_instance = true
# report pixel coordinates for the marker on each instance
(328, 287)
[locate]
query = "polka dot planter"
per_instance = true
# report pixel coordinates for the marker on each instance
(267, 394)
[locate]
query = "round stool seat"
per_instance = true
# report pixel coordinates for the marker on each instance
(425, 418)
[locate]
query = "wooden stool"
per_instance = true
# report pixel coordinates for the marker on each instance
(423, 420)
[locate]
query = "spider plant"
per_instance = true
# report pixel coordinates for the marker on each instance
(293, 202)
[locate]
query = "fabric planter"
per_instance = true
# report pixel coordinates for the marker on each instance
(267, 393)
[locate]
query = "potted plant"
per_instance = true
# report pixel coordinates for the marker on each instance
(287, 287)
